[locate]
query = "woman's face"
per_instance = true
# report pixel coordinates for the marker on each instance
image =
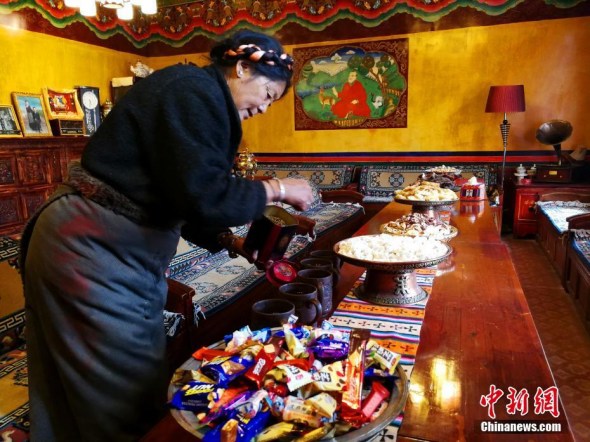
(253, 94)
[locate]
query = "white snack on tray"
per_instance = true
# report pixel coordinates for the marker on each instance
(444, 169)
(390, 248)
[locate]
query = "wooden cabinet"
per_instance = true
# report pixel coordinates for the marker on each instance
(520, 201)
(30, 170)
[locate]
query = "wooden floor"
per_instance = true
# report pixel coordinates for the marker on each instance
(565, 340)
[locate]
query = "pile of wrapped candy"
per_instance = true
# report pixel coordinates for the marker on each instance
(295, 383)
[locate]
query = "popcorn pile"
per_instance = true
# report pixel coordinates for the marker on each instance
(418, 224)
(425, 191)
(389, 248)
(298, 383)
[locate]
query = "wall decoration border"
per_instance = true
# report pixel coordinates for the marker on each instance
(179, 21)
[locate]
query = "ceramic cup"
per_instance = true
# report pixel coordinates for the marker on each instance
(322, 280)
(271, 313)
(320, 263)
(305, 297)
(327, 254)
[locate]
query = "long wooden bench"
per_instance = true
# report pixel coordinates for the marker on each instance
(553, 212)
(577, 266)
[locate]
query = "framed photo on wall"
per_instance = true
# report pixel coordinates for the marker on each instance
(9, 126)
(31, 114)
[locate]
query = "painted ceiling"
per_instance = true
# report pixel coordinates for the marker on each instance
(181, 26)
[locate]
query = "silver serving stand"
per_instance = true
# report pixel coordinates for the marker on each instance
(429, 208)
(392, 283)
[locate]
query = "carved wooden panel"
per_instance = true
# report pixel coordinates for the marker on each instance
(30, 170)
(8, 170)
(9, 209)
(32, 200)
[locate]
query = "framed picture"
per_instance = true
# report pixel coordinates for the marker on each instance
(62, 104)
(31, 114)
(9, 126)
(360, 85)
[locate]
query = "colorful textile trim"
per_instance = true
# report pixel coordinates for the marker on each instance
(395, 328)
(378, 182)
(179, 21)
(325, 176)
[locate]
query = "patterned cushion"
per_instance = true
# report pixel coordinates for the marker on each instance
(558, 211)
(378, 182)
(189, 254)
(581, 244)
(315, 191)
(325, 176)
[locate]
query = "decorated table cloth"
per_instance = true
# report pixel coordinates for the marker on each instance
(395, 328)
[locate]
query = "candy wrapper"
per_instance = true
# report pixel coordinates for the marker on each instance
(224, 369)
(223, 405)
(278, 431)
(239, 428)
(296, 377)
(296, 410)
(386, 359)
(324, 404)
(330, 377)
(314, 394)
(196, 396)
(330, 349)
(263, 362)
(354, 370)
(376, 397)
(317, 434)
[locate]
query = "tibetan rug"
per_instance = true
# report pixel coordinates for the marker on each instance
(395, 328)
(14, 406)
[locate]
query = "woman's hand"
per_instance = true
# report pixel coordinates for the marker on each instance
(298, 193)
(294, 191)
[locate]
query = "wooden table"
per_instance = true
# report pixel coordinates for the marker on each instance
(477, 332)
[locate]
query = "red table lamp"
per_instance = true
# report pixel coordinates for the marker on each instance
(505, 99)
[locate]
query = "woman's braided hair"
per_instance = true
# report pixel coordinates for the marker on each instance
(265, 54)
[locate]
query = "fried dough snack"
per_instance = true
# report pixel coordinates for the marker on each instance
(417, 224)
(426, 191)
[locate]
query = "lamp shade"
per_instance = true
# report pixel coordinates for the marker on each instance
(506, 99)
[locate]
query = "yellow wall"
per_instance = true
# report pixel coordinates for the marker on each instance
(450, 75)
(449, 79)
(31, 61)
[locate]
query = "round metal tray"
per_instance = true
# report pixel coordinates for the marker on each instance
(392, 283)
(418, 203)
(397, 401)
(391, 266)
